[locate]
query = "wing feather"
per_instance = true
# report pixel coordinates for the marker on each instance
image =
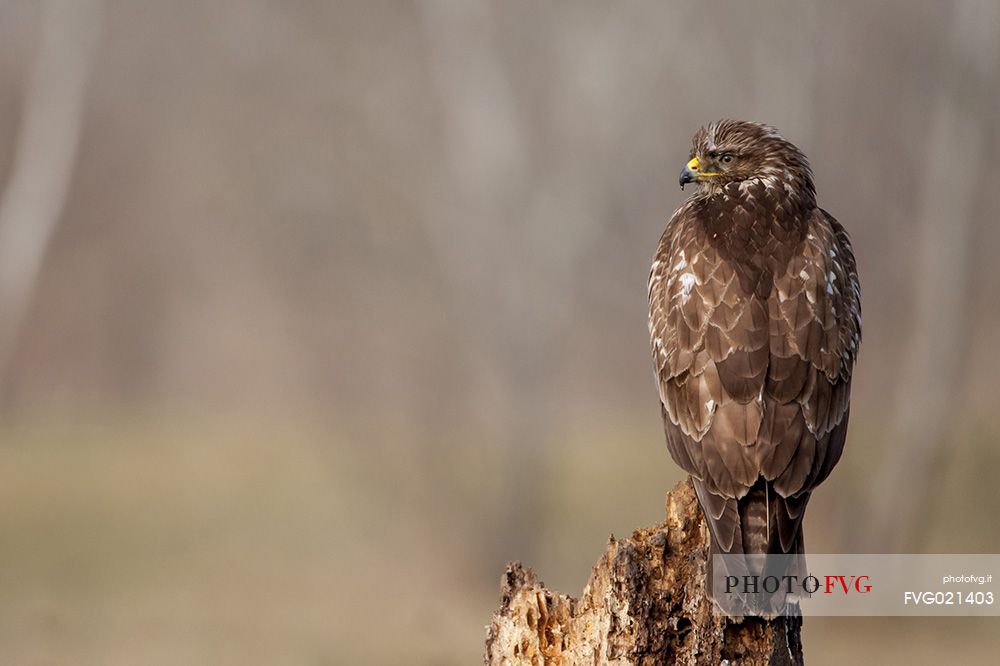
(753, 356)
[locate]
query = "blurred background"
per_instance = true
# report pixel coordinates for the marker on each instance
(315, 314)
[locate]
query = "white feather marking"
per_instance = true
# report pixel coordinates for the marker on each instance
(709, 404)
(687, 283)
(804, 274)
(681, 262)
(767, 509)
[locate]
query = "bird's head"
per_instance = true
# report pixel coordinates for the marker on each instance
(734, 151)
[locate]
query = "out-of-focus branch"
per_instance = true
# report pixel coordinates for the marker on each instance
(485, 150)
(478, 234)
(45, 153)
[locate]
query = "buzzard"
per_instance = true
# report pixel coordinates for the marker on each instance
(755, 322)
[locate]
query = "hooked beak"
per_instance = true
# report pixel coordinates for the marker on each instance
(689, 173)
(693, 172)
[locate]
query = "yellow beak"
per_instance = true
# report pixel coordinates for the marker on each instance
(692, 172)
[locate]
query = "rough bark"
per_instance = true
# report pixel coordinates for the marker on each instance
(645, 603)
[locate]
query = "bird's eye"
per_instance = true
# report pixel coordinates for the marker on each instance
(727, 158)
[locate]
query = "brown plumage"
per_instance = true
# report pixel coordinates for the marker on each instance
(755, 321)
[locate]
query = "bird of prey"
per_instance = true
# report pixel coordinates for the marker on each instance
(755, 323)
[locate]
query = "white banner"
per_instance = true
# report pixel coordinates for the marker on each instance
(899, 585)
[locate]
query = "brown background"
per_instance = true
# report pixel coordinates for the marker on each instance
(342, 305)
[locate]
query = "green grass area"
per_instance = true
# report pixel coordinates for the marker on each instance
(213, 541)
(211, 544)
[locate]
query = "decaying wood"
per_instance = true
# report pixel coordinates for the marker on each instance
(645, 603)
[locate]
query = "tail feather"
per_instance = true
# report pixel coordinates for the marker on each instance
(760, 524)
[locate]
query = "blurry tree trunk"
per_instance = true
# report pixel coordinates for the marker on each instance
(928, 410)
(45, 150)
(477, 231)
(645, 603)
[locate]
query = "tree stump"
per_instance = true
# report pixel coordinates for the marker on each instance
(645, 603)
